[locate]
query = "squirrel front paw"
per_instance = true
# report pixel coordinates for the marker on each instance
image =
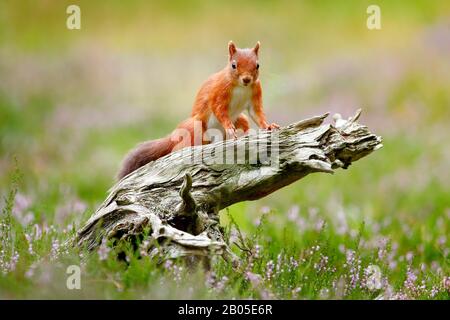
(231, 133)
(272, 126)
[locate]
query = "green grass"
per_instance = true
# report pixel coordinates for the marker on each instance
(73, 102)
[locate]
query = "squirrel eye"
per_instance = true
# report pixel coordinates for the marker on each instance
(233, 65)
(257, 66)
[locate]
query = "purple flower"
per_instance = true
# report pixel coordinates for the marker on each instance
(30, 243)
(256, 252)
(409, 256)
(446, 283)
(55, 249)
(255, 279)
(265, 209)
(20, 209)
(269, 270)
(103, 250)
(293, 213)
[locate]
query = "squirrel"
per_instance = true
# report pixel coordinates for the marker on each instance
(218, 105)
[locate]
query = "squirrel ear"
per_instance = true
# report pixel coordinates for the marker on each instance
(231, 48)
(256, 48)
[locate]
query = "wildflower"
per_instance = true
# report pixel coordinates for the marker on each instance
(297, 290)
(399, 296)
(392, 265)
(266, 294)
(409, 256)
(265, 209)
(269, 270)
(410, 283)
(215, 284)
(442, 240)
(220, 285)
(279, 268)
(354, 266)
(21, 205)
(373, 278)
(234, 235)
(322, 264)
(350, 256)
(293, 263)
(144, 248)
(324, 293)
(388, 293)
(210, 279)
(103, 250)
(257, 251)
(382, 252)
(30, 243)
(353, 233)
(30, 271)
(446, 283)
(342, 227)
(320, 224)
(72, 207)
(293, 213)
(301, 224)
(55, 249)
(177, 273)
(37, 232)
(168, 264)
(434, 291)
(312, 212)
(13, 262)
(255, 279)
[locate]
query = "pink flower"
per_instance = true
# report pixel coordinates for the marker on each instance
(255, 279)
(293, 213)
(103, 250)
(446, 283)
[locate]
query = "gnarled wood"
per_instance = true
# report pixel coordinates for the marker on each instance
(178, 197)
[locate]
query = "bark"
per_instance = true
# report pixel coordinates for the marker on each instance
(174, 202)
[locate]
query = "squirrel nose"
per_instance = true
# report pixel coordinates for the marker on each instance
(246, 80)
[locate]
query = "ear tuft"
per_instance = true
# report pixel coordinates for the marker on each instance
(231, 48)
(256, 48)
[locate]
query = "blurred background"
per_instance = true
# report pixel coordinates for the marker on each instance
(73, 102)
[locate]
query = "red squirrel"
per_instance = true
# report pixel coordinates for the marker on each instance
(218, 105)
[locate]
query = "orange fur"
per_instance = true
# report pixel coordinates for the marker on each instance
(220, 99)
(242, 123)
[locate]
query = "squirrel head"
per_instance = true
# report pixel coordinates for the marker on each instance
(243, 64)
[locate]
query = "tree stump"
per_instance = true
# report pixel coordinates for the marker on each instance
(177, 198)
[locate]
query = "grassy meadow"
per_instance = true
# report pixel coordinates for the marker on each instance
(73, 102)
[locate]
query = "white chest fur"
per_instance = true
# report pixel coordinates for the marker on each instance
(241, 98)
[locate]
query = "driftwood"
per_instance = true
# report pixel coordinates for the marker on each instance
(177, 198)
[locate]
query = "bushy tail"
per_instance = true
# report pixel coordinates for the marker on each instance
(144, 153)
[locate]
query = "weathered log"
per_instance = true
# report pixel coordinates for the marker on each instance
(177, 198)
